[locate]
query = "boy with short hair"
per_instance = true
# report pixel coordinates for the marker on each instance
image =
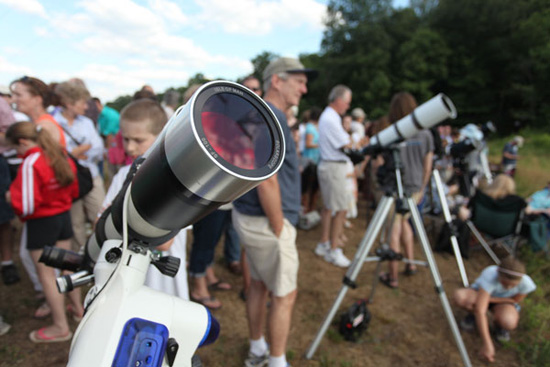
(141, 122)
(498, 289)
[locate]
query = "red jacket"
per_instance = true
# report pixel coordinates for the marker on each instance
(35, 192)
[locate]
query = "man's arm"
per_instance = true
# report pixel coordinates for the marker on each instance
(269, 194)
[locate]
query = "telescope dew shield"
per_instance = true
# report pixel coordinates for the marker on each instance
(222, 143)
(425, 116)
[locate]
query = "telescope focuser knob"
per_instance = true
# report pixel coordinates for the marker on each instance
(168, 265)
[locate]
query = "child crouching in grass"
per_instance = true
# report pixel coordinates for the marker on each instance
(499, 289)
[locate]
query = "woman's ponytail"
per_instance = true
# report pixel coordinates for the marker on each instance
(54, 152)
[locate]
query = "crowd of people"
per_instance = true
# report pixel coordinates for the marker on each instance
(54, 127)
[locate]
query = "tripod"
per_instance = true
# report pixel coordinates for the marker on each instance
(379, 218)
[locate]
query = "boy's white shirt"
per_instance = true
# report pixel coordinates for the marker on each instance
(176, 286)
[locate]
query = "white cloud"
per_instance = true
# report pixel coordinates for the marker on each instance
(259, 17)
(136, 35)
(170, 11)
(26, 6)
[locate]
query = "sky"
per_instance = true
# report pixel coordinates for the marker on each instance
(116, 46)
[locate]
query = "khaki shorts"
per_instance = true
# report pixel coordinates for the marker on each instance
(272, 260)
(332, 181)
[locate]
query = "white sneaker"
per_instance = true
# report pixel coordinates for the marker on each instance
(337, 258)
(322, 248)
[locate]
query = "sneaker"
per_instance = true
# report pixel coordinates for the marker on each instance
(4, 326)
(257, 361)
(502, 335)
(468, 323)
(10, 274)
(337, 258)
(322, 248)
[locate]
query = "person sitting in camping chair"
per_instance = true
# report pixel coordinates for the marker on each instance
(496, 210)
(538, 212)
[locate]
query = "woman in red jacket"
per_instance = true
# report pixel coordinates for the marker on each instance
(41, 195)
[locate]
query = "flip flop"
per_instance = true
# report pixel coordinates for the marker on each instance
(218, 286)
(38, 336)
(43, 311)
(76, 318)
(386, 280)
(410, 271)
(204, 301)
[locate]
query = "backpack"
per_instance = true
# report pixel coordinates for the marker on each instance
(355, 320)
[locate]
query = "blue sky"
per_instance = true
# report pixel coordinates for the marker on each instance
(116, 46)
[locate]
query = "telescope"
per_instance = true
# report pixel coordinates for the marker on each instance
(221, 144)
(425, 116)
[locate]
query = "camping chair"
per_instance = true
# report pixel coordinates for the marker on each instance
(499, 220)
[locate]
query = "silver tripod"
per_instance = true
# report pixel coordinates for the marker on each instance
(379, 218)
(449, 221)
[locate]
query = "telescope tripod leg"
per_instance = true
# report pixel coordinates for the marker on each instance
(421, 232)
(449, 221)
(378, 219)
(483, 243)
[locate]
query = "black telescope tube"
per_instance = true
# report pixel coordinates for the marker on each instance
(222, 143)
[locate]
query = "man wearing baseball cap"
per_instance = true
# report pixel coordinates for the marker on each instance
(265, 219)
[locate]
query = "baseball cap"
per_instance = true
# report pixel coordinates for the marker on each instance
(5, 90)
(289, 65)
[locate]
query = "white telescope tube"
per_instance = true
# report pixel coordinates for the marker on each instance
(425, 116)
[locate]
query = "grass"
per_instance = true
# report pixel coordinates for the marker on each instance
(533, 170)
(532, 342)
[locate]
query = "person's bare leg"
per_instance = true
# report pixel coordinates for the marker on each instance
(280, 316)
(395, 245)
(55, 299)
(256, 308)
(337, 228)
(407, 238)
(74, 296)
(199, 291)
(506, 316)
(326, 216)
(246, 271)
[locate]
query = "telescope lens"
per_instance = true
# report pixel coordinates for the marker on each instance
(237, 131)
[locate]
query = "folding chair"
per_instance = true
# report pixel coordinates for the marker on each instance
(499, 220)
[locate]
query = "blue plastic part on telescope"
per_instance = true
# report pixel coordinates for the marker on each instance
(142, 344)
(212, 331)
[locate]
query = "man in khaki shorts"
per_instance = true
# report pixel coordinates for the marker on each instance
(265, 219)
(332, 171)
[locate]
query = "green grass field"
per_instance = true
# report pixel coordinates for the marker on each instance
(533, 173)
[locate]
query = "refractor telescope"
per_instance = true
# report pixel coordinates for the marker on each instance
(425, 116)
(221, 144)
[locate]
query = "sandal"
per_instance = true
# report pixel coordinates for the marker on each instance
(409, 271)
(38, 336)
(43, 311)
(385, 279)
(220, 285)
(235, 267)
(207, 302)
(76, 317)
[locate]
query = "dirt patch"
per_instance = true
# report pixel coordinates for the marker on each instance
(408, 326)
